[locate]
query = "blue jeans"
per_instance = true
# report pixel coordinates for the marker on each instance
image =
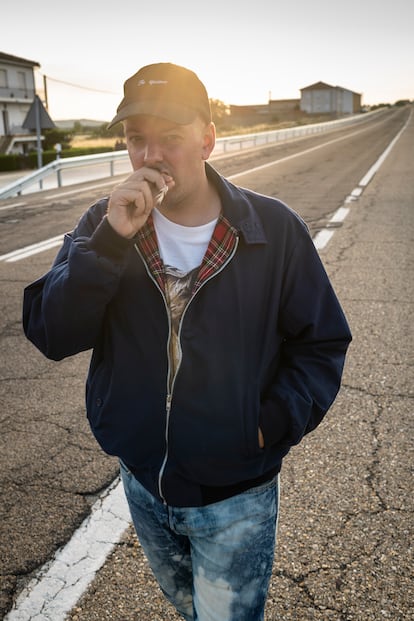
(213, 563)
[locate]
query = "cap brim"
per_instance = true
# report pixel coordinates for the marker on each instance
(177, 113)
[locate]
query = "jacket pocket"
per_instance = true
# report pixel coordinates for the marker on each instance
(251, 421)
(96, 391)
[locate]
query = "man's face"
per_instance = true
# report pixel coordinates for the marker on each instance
(175, 150)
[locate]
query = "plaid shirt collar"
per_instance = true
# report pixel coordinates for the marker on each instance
(222, 245)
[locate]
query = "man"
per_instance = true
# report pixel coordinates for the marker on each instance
(217, 341)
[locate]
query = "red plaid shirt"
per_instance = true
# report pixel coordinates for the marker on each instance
(221, 246)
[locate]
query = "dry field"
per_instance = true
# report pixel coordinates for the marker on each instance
(84, 140)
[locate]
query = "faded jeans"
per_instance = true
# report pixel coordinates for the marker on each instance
(213, 563)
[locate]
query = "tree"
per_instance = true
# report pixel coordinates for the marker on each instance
(102, 131)
(54, 136)
(219, 111)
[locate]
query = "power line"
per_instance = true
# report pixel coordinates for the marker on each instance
(85, 88)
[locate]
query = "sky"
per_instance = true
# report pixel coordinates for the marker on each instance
(245, 51)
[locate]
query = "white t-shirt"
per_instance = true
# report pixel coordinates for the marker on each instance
(182, 247)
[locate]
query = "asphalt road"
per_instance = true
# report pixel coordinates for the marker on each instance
(345, 530)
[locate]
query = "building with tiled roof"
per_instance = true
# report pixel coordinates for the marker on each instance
(17, 92)
(322, 98)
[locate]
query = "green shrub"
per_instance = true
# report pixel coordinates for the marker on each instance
(9, 163)
(19, 161)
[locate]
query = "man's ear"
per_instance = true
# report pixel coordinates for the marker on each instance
(209, 140)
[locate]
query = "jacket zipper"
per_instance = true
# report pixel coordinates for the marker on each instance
(169, 392)
(170, 385)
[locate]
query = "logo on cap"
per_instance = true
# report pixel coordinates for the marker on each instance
(152, 82)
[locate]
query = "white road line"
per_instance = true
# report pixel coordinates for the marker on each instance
(340, 214)
(12, 205)
(323, 236)
(79, 190)
(367, 178)
(60, 583)
(294, 155)
(63, 194)
(27, 251)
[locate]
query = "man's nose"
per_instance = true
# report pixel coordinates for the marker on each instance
(152, 153)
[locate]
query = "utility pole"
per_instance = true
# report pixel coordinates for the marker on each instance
(45, 91)
(38, 135)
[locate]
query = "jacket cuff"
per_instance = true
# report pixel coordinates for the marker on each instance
(106, 242)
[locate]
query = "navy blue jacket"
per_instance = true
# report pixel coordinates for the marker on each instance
(263, 344)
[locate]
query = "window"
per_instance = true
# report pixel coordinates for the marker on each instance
(21, 80)
(3, 78)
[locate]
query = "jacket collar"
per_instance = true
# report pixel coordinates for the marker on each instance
(237, 208)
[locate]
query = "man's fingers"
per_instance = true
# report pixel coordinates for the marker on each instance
(147, 197)
(154, 177)
(132, 201)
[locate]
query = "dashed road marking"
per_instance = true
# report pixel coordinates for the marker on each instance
(323, 236)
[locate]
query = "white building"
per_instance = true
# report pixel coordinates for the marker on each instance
(321, 98)
(17, 92)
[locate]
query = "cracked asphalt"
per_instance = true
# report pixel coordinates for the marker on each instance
(345, 534)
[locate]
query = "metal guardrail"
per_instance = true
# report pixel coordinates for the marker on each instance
(57, 166)
(223, 146)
